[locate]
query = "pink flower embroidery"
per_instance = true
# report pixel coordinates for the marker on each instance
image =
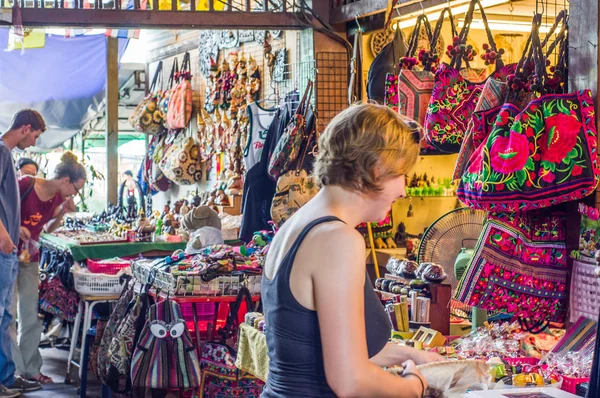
(509, 154)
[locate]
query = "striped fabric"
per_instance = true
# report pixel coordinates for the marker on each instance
(580, 337)
(123, 33)
(165, 356)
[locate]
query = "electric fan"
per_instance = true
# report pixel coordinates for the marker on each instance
(449, 242)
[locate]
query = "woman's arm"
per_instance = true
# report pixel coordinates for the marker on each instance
(67, 207)
(338, 274)
(394, 354)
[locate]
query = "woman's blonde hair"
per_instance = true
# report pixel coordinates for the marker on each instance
(366, 145)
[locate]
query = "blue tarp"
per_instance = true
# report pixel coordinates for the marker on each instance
(64, 81)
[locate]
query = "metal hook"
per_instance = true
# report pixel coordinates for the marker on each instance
(511, 7)
(357, 23)
(537, 3)
(422, 9)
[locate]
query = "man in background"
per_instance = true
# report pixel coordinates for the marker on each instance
(25, 128)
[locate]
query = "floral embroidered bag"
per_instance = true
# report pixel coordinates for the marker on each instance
(519, 266)
(456, 91)
(148, 117)
(180, 101)
(182, 162)
(538, 156)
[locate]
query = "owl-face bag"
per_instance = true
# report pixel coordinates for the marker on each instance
(165, 356)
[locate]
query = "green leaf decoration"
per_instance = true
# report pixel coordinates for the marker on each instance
(521, 176)
(551, 135)
(530, 165)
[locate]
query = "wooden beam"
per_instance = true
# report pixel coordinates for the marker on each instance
(366, 8)
(155, 19)
(112, 119)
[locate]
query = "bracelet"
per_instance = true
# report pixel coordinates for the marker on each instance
(421, 381)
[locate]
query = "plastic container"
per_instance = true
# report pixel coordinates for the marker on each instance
(570, 383)
(109, 267)
(97, 285)
(521, 361)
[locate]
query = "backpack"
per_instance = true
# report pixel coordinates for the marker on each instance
(123, 343)
(165, 356)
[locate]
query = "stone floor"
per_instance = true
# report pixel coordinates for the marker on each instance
(55, 365)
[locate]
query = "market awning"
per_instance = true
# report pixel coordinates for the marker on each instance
(65, 81)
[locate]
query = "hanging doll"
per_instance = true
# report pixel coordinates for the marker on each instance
(253, 80)
(213, 88)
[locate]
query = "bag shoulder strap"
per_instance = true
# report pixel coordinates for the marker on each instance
(157, 77)
(28, 190)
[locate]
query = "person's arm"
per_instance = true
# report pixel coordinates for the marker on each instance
(6, 244)
(338, 284)
(394, 354)
(67, 207)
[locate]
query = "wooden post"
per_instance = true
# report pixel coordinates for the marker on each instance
(112, 119)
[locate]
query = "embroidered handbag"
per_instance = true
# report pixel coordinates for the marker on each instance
(58, 296)
(163, 104)
(493, 95)
(456, 91)
(386, 62)
(123, 343)
(288, 148)
(109, 331)
(148, 117)
(538, 156)
(182, 162)
(519, 266)
(180, 101)
(165, 356)
(220, 376)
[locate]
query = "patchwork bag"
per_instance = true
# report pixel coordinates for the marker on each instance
(148, 117)
(538, 156)
(456, 91)
(289, 145)
(220, 377)
(123, 343)
(519, 266)
(58, 296)
(180, 102)
(165, 356)
(111, 327)
(182, 161)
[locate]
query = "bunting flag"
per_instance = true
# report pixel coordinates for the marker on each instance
(123, 33)
(70, 32)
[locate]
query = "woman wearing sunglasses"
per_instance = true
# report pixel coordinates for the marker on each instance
(43, 205)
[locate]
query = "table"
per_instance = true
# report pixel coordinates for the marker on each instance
(105, 251)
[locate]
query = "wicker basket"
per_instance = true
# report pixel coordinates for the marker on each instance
(89, 284)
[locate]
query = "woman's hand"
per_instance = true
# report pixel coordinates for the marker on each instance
(69, 206)
(24, 234)
(412, 373)
(422, 357)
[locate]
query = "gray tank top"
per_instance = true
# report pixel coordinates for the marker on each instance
(296, 366)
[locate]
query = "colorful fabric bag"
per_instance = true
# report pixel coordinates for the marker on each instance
(519, 266)
(288, 147)
(165, 356)
(163, 104)
(58, 296)
(123, 343)
(111, 327)
(182, 161)
(181, 99)
(456, 91)
(148, 117)
(538, 156)
(220, 377)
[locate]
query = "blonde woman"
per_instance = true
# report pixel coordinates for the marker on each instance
(326, 329)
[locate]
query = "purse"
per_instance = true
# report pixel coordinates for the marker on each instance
(165, 356)
(456, 91)
(220, 377)
(288, 147)
(163, 104)
(58, 296)
(182, 162)
(539, 155)
(519, 266)
(385, 63)
(180, 102)
(148, 117)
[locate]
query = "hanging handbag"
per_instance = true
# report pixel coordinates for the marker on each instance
(148, 117)
(538, 156)
(288, 147)
(163, 104)
(121, 348)
(220, 376)
(519, 266)
(180, 102)
(456, 91)
(182, 162)
(59, 297)
(109, 331)
(295, 188)
(165, 356)
(385, 63)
